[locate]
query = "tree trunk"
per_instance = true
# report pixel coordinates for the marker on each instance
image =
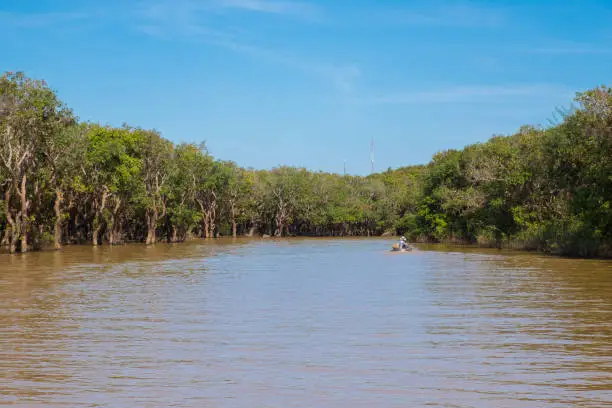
(24, 214)
(98, 219)
(77, 228)
(96, 233)
(118, 232)
(14, 238)
(112, 235)
(205, 219)
(58, 218)
(212, 220)
(233, 222)
(206, 225)
(16, 229)
(10, 224)
(151, 227)
(280, 221)
(5, 236)
(11, 233)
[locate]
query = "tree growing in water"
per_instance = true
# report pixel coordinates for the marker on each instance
(62, 182)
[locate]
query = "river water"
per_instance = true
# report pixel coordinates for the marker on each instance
(303, 323)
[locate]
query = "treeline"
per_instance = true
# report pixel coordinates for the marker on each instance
(65, 182)
(542, 189)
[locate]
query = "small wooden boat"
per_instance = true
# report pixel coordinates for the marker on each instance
(396, 248)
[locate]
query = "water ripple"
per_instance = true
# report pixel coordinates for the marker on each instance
(303, 323)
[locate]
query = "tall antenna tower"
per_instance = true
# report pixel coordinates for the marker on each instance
(345, 167)
(372, 154)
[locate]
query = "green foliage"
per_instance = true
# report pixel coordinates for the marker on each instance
(548, 189)
(545, 189)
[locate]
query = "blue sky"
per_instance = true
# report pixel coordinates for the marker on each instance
(309, 83)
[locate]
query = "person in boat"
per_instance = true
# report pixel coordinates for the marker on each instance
(402, 243)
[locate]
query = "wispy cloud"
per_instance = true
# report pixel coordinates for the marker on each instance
(286, 9)
(294, 8)
(176, 20)
(195, 21)
(343, 77)
(572, 50)
(467, 94)
(38, 20)
(193, 17)
(445, 14)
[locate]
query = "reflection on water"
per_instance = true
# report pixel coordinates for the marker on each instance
(303, 323)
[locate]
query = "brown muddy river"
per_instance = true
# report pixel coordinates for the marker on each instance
(303, 323)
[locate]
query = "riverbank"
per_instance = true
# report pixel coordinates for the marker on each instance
(86, 182)
(506, 247)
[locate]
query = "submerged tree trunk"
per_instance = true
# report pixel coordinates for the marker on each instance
(59, 197)
(280, 223)
(174, 235)
(5, 236)
(151, 226)
(98, 218)
(7, 230)
(96, 233)
(213, 218)
(11, 233)
(233, 221)
(206, 225)
(24, 214)
(204, 218)
(208, 218)
(14, 239)
(282, 215)
(115, 226)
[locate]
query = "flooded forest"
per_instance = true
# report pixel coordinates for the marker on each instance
(64, 181)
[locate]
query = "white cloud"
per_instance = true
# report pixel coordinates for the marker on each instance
(584, 49)
(190, 8)
(443, 14)
(343, 77)
(194, 21)
(37, 20)
(465, 94)
(295, 8)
